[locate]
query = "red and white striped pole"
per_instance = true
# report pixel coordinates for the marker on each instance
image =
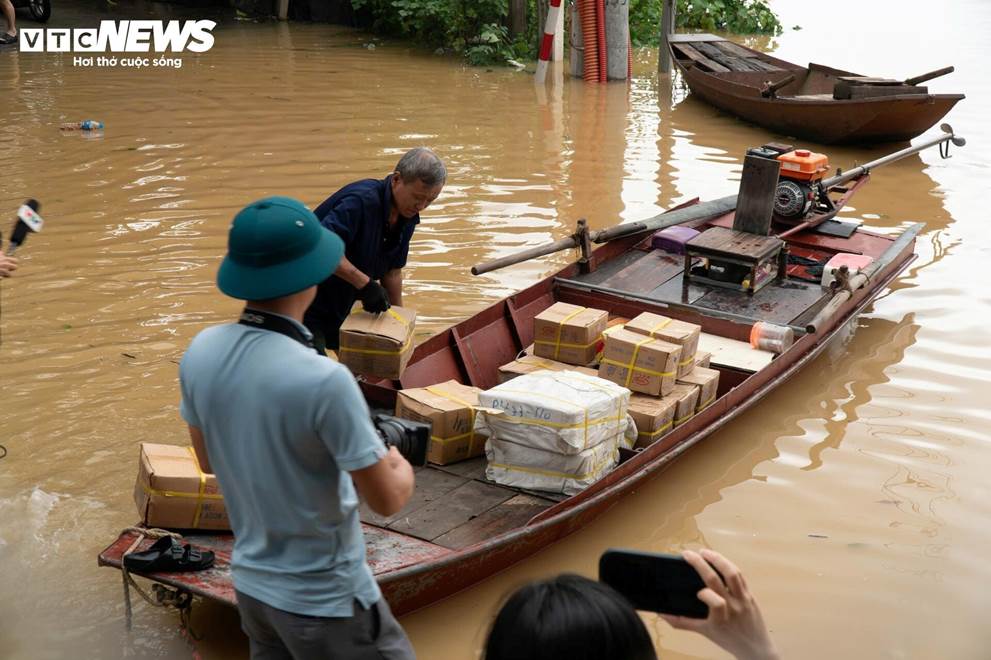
(547, 44)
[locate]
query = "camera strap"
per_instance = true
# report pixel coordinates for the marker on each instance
(256, 318)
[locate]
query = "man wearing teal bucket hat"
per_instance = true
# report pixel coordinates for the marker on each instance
(290, 439)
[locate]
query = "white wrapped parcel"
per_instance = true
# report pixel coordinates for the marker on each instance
(553, 430)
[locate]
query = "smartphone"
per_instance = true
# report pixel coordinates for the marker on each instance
(654, 582)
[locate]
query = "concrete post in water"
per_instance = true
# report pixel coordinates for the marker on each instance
(617, 38)
(547, 42)
(576, 56)
(667, 29)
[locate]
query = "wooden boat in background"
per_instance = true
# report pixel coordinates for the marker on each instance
(815, 103)
(459, 528)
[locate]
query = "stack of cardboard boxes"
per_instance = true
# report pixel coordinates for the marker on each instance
(657, 357)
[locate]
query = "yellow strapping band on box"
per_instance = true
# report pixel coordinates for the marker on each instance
(684, 419)
(200, 496)
(558, 344)
(471, 417)
(659, 326)
(705, 403)
(651, 434)
(552, 473)
(537, 362)
(370, 351)
(560, 327)
(199, 499)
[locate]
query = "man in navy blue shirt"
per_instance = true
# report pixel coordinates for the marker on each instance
(375, 218)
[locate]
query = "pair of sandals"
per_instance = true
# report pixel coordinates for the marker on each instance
(6, 39)
(168, 554)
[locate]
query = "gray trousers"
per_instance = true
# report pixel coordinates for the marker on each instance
(275, 634)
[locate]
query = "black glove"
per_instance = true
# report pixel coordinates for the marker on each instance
(373, 297)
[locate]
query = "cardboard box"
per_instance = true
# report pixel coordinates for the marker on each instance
(672, 331)
(702, 359)
(526, 364)
(378, 344)
(708, 384)
(449, 408)
(686, 398)
(173, 493)
(653, 416)
(639, 363)
(569, 333)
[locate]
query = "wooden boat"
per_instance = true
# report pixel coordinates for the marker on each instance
(815, 103)
(460, 528)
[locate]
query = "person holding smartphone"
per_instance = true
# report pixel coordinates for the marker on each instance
(575, 618)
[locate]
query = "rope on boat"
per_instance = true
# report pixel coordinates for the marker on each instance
(163, 596)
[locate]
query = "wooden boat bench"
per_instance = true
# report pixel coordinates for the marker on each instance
(724, 245)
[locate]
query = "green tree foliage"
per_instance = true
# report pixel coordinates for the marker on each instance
(476, 28)
(739, 16)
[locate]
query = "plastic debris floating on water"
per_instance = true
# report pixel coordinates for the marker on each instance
(87, 125)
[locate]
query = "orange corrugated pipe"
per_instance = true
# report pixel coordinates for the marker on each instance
(600, 33)
(590, 60)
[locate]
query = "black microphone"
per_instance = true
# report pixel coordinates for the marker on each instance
(27, 220)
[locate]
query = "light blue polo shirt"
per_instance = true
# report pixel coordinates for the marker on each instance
(283, 426)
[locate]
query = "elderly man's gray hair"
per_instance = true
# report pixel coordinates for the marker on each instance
(422, 164)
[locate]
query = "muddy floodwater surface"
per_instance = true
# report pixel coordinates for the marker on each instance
(855, 497)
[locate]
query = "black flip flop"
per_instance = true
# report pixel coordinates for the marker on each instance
(167, 554)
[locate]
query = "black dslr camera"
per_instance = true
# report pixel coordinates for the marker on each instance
(410, 438)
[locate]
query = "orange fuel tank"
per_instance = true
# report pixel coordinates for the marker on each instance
(803, 165)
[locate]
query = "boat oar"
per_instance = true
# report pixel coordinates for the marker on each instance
(929, 76)
(703, 211)
(860, 279)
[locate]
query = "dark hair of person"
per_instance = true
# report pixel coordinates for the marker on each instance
(422, 164)
(568, 617)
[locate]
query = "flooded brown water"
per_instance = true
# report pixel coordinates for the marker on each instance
(855, 498)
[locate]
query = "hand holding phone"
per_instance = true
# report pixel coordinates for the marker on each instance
(655, 582)
(716, 602)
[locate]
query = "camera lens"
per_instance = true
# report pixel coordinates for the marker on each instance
(408, 437)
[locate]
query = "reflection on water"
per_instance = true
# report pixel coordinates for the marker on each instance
(854, 496)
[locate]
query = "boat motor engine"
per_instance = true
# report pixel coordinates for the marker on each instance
(799, 182)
